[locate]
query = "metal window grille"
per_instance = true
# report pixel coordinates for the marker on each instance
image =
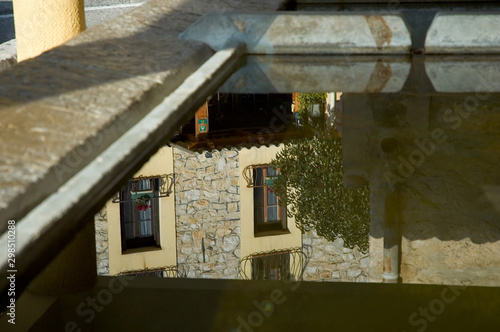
(160, 272)
(283, 264)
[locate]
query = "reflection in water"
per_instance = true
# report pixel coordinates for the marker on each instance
(427, 151)
(439, 154)
(311, 183)
(434, 153)
(305, 176)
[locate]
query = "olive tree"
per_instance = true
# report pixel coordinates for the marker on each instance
(310, 183)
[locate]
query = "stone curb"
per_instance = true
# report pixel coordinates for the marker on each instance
(298, 33)
(463, 34)
(8, 56)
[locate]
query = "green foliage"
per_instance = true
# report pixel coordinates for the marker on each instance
(311, 184)
(307, 99)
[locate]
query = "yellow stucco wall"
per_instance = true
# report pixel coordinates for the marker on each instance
(136, 259)
(43, 24)
(249, 243)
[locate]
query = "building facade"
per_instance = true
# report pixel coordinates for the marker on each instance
(219, 220)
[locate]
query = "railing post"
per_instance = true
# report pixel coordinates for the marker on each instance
(43, 24)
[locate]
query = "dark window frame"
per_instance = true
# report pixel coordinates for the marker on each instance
(130, 214)
(261, 197)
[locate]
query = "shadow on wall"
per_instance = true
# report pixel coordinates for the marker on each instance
(439, 152)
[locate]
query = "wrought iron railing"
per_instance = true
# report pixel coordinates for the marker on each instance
(172, 271)
(166, 184)
(281, 264)
(249, 177)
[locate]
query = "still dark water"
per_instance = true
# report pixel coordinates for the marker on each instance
(421, 133)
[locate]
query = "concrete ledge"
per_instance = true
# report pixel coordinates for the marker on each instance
(62, 108)
(304, 33)
(379, 2)
(236, 305)
(8, 56)
(464, 34)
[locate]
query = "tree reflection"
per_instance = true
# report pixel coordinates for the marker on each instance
(310, 182)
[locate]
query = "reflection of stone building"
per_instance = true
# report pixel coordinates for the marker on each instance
(207, 225)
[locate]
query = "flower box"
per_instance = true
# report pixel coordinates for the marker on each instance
(142, 200)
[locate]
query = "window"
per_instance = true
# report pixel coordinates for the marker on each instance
(269, 216)
(140, 222)
(274, 266)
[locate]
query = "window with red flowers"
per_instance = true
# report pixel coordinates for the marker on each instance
(139, 213)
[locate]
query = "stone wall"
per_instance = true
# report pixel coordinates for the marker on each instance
(331, 261)
(208, 210)
(101, 242)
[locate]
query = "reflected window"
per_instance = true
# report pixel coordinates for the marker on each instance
(271, 267)
(269, 216)
(139, 213)
(146, 273)
(162, 272)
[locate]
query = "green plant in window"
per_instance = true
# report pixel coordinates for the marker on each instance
(307, 99)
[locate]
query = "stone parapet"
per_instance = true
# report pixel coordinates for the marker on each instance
(8, 54)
